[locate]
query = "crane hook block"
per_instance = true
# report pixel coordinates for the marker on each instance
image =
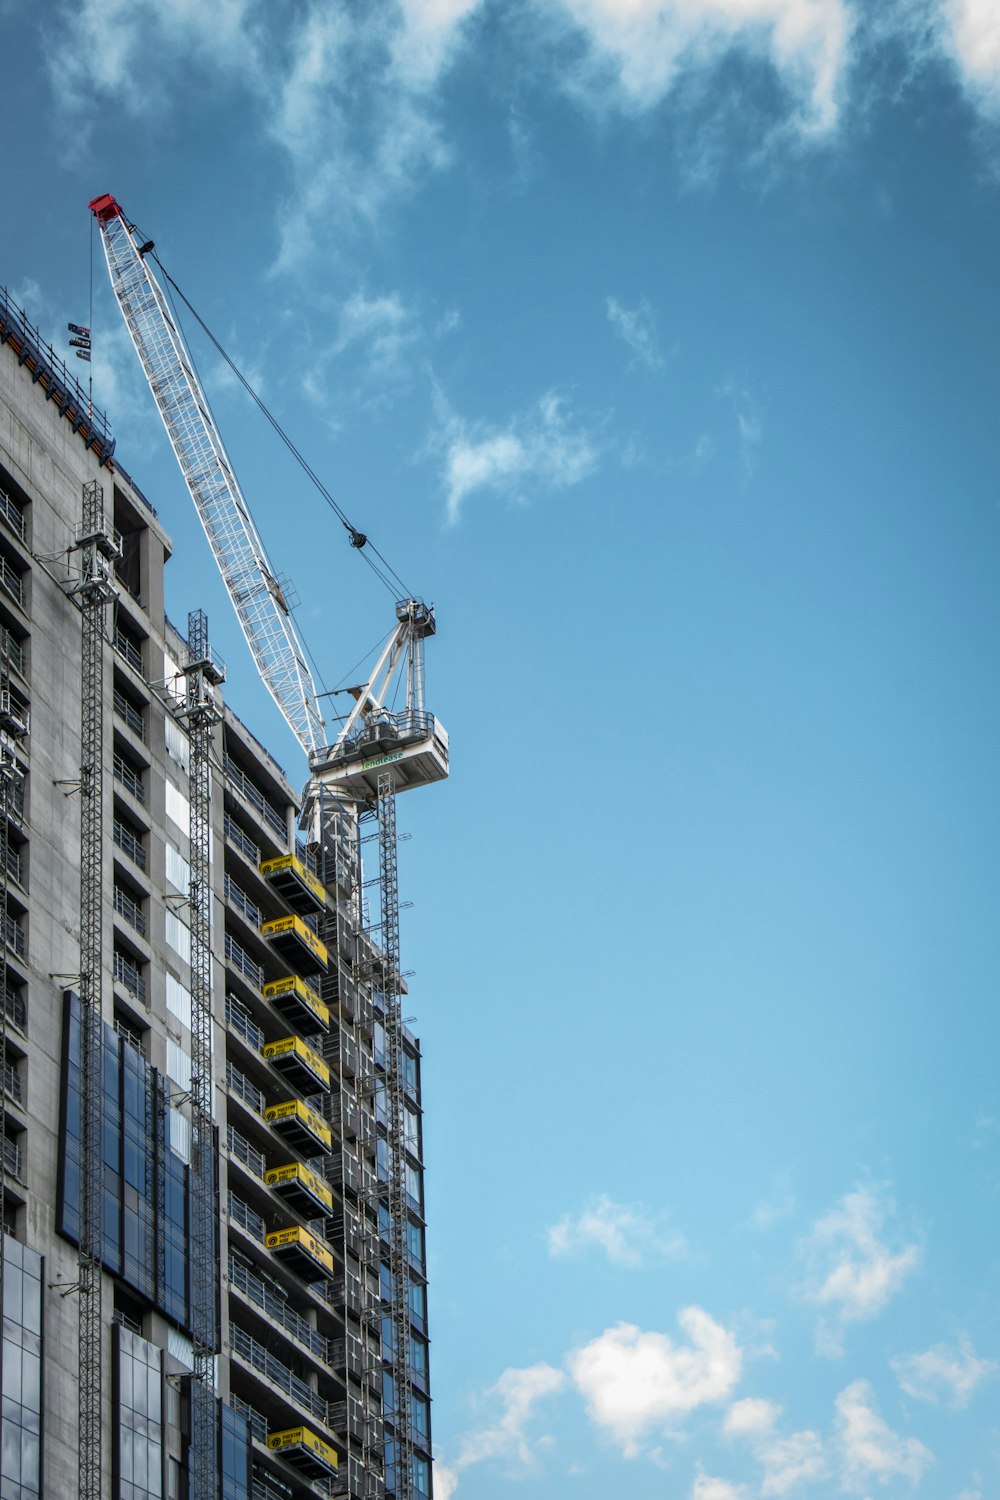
(105, 207)
(358, 539)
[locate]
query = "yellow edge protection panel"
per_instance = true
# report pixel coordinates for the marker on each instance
(296, 925)
(300, 988)
(300, 1236)
(295, 1044)
(296, 1172)
(295, 1108)
(294, 1437)
(289, 862)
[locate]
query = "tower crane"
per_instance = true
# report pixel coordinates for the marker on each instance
(377, 752)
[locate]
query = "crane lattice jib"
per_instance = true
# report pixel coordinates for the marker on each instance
(208, 473)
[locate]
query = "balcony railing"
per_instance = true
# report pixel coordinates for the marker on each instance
(13, 1158)
(243, 1215)
(276, 1372)
(239, 1084)
(242, 902)
(15, 864)
(130, 844)
(253, 794)
(129, 778)
(239, 1019)
(13, 515)
(14, 935)
(129, 714)
(241, 841)
(244, 1152)
(12, 1081)
(10, 579)
(130, 910)
(11, 648)
(243, 963)
(16, 1008)
(270, 1301)
(128, 649)
(15, 799)
(258, 1422)
(127, 974)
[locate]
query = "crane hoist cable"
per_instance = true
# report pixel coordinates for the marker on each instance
(387, 574)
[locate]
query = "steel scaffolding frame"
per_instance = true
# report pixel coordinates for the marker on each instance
(201, 714)
(10, 771)
(97, 548)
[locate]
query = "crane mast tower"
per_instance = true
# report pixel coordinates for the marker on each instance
(377, 753)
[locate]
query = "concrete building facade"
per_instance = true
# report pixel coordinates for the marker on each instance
(307, 1361)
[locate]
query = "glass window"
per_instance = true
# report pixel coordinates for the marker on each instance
(178, 870)
(178, 1065)
(179, 1000)
(178, 744)
(22, 1372)
(178, 808)
(178, 936)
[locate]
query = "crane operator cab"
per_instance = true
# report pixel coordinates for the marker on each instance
(412, 744)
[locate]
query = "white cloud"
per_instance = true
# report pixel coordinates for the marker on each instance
(780, 1205)
(637, 327)
(708, 1487)
(869, 1449)
(641, 50)
(634, 1381)
(748, 418)
(542, 449)
(852, 1270)
(382, 326)
(627, 1234)
(943, 1373)
(785, 1461)
(972, 36)
(506, 1436)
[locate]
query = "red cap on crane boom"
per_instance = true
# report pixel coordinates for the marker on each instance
(105, 207)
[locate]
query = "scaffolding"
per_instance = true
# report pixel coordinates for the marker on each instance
(12, 729)
(201, 714)
(97, 549)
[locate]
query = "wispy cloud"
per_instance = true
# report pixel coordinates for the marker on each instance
(506, 1434)
(710, 1487)
(545, 448)
(627, 1233)
(949, 1373)
(636, 1382)
(785, 1460)
(636, 326)
(869, 1449)
(780, 1204)
(972, 36)
(853, 1271)
(381, 326)
(638, 54)
(748, 418)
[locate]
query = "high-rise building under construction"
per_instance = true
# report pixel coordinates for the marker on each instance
(213, 1250)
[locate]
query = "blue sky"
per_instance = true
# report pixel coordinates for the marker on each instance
(656, 341)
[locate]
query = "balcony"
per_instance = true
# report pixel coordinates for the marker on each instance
(275, 1372)
(239, 898)
(243, 1216)
(16, 1009)
(128, 777)
(11, 581)
(14, 935)
(12, 650)
(240, 1021)
(11, 512)
(241, 841)
(13, 1158)
(241, 961)
(247, 1154)
(252, 794)
(244, 1088)
(129, 714)
(15, 864)
(129, 976)
(12, 1082)
(256, 1419)
(129, 843)
(130, 910)
(298, 1004)
(267, 1295)
(128, 649)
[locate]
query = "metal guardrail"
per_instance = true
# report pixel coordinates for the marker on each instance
(16, 1008)
(130, 910)
(256, 1419)
(243, 903)
(243, 1215)
(244, 1152)
(252, 793)
(129, 844)
(129, 714)
(14, 934)
(13, 1157)
(12, 513)
(15, 864)
(127, 974)
(269, 1300)
(278, 1373)
(128, 649)
(243, 963)
(10, 579)
(12, 1081)
(244, 1088)
(128, 777)
(11, 648)
(241, 841)
(239, 1019)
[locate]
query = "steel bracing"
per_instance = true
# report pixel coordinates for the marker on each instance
(201, 714)
(96, 548)
(248, 575)
(11, 730)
